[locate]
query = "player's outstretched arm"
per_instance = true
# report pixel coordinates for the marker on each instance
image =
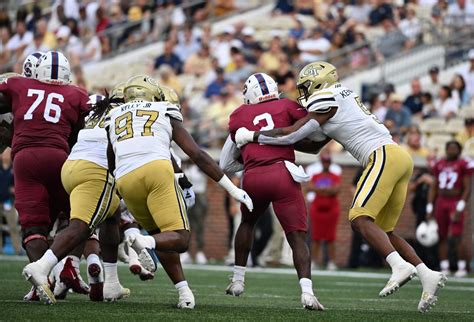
(186, 142)
(228, 160)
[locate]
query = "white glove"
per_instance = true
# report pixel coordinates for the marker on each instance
(238, 194)
(243, 136)
(189, 197)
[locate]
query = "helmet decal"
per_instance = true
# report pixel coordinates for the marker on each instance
(263, 84)
(55, 65)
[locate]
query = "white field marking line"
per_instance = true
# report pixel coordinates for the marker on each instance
(283, 271)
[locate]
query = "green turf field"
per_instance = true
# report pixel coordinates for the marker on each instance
(268, 297)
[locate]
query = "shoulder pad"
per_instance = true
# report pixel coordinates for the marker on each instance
(320, 102)
(174, 112)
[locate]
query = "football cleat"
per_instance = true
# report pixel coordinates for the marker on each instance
(32, 295)
(431, 286)
(136, 268)
(122, 254)
(146, 254)
(400, 276)
(115, 291)
(460, 273)
(71, 277)
(235, 288)
(310, 302)
(96, 282)
(39, 278)
(186, 299)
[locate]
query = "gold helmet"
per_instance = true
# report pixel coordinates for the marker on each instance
(6, 76)
(142, 88)
(170, 95)
(117, 91)
(314, 77)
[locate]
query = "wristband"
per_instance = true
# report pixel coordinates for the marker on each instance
(460, 205)
(429, 208)
(225, 183)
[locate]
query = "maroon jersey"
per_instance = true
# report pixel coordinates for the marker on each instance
(262, 117)
(43, 114)
(451, 174)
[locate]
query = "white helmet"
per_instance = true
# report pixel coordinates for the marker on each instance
(53, 67)
(95, 98)
(259, 88)
(427, 233)
(29, 65)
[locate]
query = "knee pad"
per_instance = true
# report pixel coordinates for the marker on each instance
(32, 233)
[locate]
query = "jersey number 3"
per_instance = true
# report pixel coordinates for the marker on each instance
(267, 117)
(52, 111)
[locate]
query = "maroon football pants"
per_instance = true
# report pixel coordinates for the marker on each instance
(39, 194)
(274, 184)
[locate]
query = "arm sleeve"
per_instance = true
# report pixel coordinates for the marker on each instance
(229, 156)
(306, 130)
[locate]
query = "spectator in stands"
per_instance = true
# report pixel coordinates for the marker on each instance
(413, 143)
(169, 58)
(459, 92)
(445, 105)
(187, 46)
(411, 25)
(92, 47)
(6, 203)
(468, 73)
(377, 107)
(4, 52)
(468, 132)
(270, 59)
(381, 12)
(359, 11)
(200, 62)
(167, 77)
(298, 30)
(325, 210)
(102, 20)
(429, 110)
(361, 56)
(49, 39)
(413, 101)
(398, 114)
(315, 47)
(241, 69)
(20, 39)
(222, 45)
(284, 6)
(392, 42)
(433, 85)
(215, 88)
(461, 12)
(36, 45)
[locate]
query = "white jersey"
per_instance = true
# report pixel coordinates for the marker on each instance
(353, 126)
(91, 142)
(141, 132)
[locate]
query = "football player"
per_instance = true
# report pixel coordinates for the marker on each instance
(140, 133)
(381, 190)
(270, 177)
(447, 201)
(48, 112)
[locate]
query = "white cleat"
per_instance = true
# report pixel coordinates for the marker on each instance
(32, 295)
(310, 302)
(146, 254)
(36, 276)
(235, 288)
(431, 287)
(460, 273)
(400, 276)
(121, 253)
(186, 299)
(115, 291)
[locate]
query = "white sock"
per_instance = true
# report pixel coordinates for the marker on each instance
(94, 259)
(110, 271)
(181, 285)
(444, 264)
(461, 265)
(422, 270)
(48, 260)
(131, 231)
(306, 285)
(239, 273)
(394, 259)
